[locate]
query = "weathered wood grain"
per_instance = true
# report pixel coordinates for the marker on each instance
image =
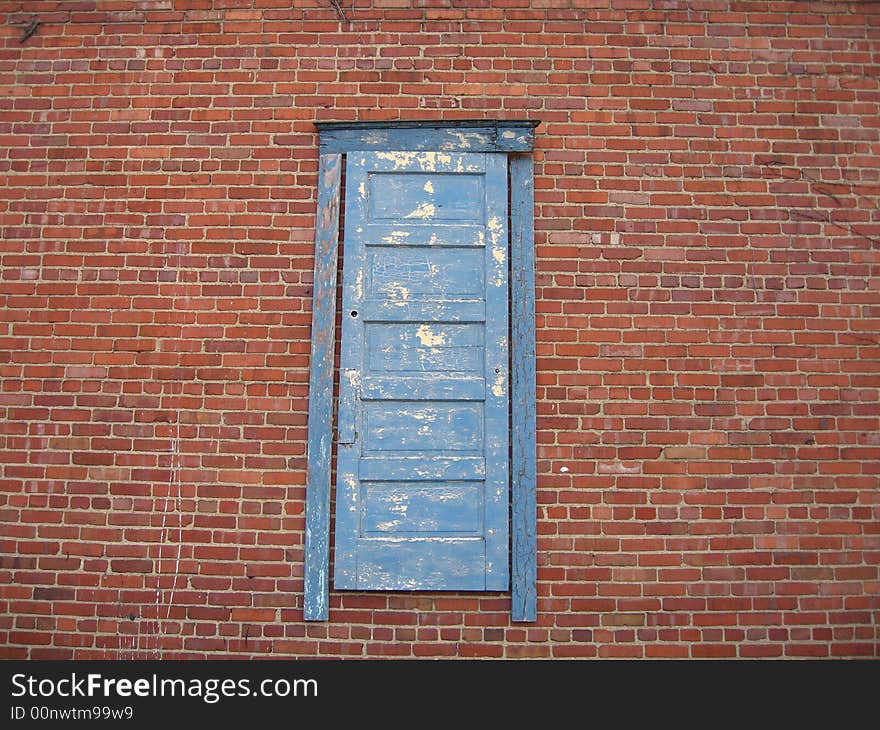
(523, 458)
(320, 433)
(458, 136)
(429, 353)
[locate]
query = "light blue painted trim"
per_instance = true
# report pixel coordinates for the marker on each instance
(497, 376)
(351, 360)
(523, 461)
(320, 433)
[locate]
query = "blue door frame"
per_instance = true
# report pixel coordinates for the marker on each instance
(513, 140)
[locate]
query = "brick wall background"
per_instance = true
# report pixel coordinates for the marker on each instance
(707, 231)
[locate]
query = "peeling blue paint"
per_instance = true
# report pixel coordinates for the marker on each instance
(405, 427)
(524, 559)
(317, 538)
(425, 457)
(479, 135)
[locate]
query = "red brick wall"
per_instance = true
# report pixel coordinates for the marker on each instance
(707, 228)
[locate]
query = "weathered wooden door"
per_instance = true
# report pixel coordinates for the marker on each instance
(422, 469)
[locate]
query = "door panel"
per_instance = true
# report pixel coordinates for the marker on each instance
(422, 470)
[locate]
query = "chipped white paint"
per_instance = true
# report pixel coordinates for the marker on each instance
(395, 237)
(376, 138)
(359, 286)
(462, 166)
(362, 189)
(399, 508)
(464, 140)
(429, 187)
(498, 385)
(423, 212)
(427, 161)
(397, 293)
(424, 415)
(398, 159)
(354, 377)
(352, 485)
(438, 157)
(429, 338)
(499, 248)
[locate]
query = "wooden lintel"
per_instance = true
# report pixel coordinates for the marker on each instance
(464, 136)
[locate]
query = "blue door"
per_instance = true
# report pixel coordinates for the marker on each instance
(422, 469)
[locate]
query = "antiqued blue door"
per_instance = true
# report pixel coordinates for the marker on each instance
(422, 469)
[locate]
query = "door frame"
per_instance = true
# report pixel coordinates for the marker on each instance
(515, 139)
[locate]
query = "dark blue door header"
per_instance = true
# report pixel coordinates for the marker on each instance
(440, 136)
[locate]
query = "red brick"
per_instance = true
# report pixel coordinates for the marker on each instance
(707, 334)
